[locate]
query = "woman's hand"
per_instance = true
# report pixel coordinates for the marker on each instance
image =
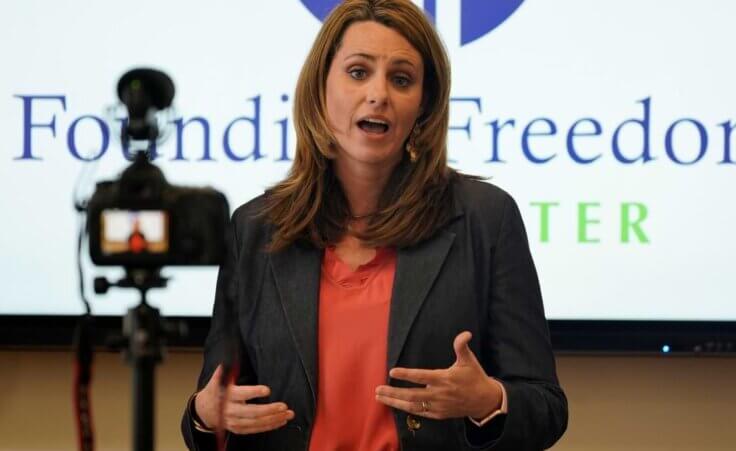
(239, 416)
(462, 390)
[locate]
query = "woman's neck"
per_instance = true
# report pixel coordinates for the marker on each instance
(362, 185)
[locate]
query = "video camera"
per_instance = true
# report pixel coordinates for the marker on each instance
(140, 220)
(143, 223)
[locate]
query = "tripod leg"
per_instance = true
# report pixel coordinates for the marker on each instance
(143, 405)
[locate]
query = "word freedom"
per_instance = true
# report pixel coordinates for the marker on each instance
(531, 135)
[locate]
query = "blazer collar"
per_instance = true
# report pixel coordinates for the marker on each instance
(296, 271)
(416, 269)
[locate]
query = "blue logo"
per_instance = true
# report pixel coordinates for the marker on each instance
(477, 17)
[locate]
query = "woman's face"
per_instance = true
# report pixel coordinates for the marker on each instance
(373, 94)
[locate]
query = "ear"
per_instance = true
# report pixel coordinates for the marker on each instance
(423, 107)
(418, 120)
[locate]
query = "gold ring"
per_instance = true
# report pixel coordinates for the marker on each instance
(426, 406)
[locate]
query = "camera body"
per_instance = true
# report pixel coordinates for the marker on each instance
(142, 221)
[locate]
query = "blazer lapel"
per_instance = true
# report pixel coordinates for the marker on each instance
(296, 270)
(416, 269)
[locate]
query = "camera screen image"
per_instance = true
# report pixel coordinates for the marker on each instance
(136, 232)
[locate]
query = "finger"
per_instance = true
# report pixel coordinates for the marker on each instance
(253, 411)
(462, 349)
(418, 376)
(414, 408)
(261, 424)
(405, 394)
(250, 420)
(216, 376)
(243, 393)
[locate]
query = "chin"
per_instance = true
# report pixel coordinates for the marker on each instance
(375, 157)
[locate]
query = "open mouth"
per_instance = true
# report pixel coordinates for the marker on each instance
(373, 126)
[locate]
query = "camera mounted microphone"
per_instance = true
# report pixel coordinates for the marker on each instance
(144, 92)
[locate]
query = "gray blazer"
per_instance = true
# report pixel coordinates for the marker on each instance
(475, 274)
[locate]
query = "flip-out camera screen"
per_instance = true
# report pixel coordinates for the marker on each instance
(127, 231)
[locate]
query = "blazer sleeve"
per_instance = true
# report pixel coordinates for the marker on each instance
(222, 340)
(517, 350)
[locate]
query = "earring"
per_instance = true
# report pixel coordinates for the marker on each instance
(411, 148)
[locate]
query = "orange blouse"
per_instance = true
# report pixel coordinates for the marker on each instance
(352, 341)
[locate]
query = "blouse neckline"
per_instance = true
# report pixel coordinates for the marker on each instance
(342, 274)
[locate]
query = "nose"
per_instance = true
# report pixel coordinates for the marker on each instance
(377, 91)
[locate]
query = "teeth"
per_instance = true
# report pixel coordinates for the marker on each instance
(376, 121)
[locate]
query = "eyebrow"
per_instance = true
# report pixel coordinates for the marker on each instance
(373, 58)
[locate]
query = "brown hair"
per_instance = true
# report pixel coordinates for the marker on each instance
(309, 203)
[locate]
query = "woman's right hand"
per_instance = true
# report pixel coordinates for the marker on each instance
(240, 417)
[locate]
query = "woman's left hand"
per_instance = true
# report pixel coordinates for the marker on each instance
(464, 389)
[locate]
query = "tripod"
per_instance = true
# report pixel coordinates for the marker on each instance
(144, 333)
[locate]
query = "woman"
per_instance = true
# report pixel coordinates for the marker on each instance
(383, 301)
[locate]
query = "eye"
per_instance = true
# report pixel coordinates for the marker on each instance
(357, 74)
(402, 81)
